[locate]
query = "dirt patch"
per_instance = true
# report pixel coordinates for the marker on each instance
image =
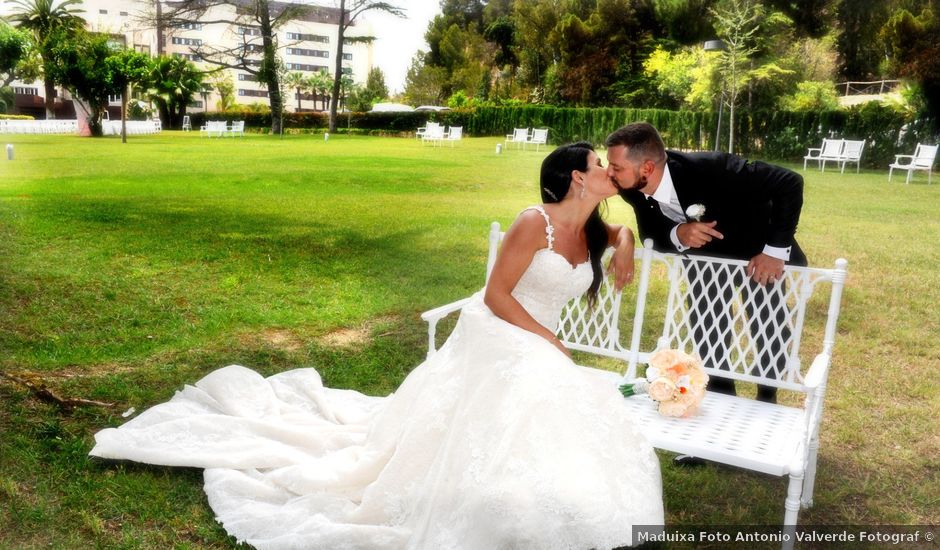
(355, 336)
(282, 339)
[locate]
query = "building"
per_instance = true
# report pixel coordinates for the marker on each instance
(306, 44)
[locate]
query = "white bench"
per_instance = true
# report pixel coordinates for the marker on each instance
(519, 136)
(922, 159)
(773, 439)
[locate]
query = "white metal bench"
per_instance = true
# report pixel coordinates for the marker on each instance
(735, 430)
(831, 149)
(922, 159)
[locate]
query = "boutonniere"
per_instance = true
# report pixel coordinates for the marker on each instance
(695, 212)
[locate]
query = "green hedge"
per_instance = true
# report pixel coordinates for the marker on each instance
(773, 135)
(16, 117)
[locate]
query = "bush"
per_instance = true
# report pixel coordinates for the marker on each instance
(772, 135)
(15, 117)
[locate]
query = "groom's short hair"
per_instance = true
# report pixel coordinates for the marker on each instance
(642, 141)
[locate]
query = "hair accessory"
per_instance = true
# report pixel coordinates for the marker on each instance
(549, 193)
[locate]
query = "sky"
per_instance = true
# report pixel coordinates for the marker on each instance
(397, 39)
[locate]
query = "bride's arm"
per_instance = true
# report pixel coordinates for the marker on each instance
(621, 262)
(524, 238)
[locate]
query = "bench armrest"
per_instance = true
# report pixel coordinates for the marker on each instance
(811, 149)
(817, 372)
(897, 158)
(432, 316)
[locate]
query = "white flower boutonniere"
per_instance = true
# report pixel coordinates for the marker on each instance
(695, 212)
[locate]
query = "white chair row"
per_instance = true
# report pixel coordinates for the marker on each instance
(221, 128)
(922, 159)
(134, 127)
(523, 136)
(38, 126)
(437, 134)
(840, 151)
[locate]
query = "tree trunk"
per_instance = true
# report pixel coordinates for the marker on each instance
(50, 98)
(126, 93)
(268, 71)
(341, 31)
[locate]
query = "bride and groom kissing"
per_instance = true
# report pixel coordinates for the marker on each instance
(497, 440)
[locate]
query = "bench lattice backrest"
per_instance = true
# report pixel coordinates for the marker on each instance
(581, 327)
(742, 330)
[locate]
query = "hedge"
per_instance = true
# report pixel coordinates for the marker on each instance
(777, 135)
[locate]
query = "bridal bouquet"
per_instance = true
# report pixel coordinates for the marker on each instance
(674, 379)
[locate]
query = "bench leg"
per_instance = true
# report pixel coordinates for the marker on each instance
(807, 499)
(792, 506)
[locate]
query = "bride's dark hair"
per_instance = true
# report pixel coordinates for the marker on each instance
(555, 181)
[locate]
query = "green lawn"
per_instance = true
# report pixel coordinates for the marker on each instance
(129, 270)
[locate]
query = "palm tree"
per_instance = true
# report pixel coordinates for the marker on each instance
(173, 83)
(320, 82)
(297, 81)
(43, 18)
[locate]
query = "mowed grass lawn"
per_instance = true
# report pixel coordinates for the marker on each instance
(129, 270)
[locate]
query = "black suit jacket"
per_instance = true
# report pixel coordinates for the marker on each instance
(754, 203)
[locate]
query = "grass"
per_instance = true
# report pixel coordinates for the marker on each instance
(130, 270)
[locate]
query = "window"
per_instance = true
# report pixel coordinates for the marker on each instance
(189, 56)
(123, 14)
(187, 41)
(308, 37)
(25, 91)
(250, 31)
(196, 104)
(247, 77)
(253, 62)
(142, 48)
(103, 12)
(254, 48)
(252, 93)
(347, 57)
(114, 98)
(347, 70)
(305, 67)
(190, 25)
(307, 53)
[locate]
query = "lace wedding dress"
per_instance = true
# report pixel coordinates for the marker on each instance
(498, 441)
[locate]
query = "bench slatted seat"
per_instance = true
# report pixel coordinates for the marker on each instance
(735, 430)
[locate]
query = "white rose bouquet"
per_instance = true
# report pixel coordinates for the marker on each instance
(675, 379)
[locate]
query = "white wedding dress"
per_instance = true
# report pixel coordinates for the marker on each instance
(498, 441)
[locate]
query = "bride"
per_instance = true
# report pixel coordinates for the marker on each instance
(498, 441)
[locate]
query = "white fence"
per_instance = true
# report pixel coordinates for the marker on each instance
(38, 126)
(109, 127)
(113, 127)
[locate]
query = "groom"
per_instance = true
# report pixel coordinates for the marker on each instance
(751, 208)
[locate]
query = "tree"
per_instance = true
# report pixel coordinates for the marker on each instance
(859, 49)
(43, 18)
(172, 84)
(298, 82)
(222, 82)
(79, 62)
(914, 43)
(13, 48)
(736, 22)
(375, 85)
(349, 10)
(127, 68)
(256, 21)
(424, 83)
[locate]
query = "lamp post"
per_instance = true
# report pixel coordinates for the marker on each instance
(718, 46)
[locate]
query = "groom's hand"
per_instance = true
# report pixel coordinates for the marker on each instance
(697, 234)
(764, 269)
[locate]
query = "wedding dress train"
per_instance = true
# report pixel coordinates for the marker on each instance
(497, 441)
